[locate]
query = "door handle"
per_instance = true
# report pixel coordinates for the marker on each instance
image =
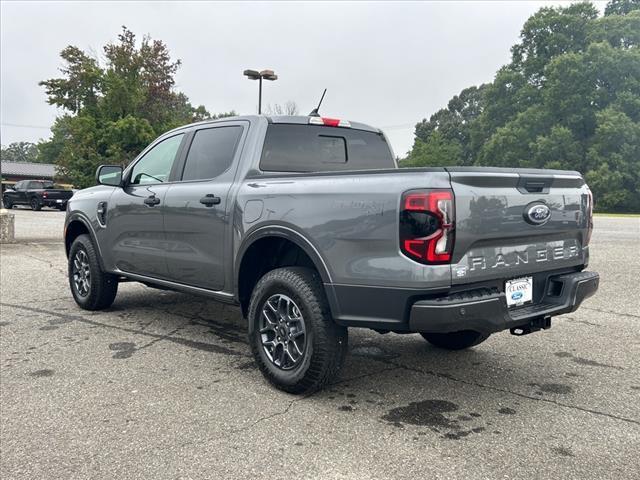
(209, 200)
(152, 201)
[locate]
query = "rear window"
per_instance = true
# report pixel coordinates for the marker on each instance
(316, 148)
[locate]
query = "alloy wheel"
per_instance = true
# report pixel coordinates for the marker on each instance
(81, 273)
(282, 332)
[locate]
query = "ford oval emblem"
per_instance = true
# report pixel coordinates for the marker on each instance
(516, 295)
(537, 214)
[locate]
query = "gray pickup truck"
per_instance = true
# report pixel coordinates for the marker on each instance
(309, 226)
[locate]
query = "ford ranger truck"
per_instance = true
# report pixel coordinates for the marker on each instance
(309, 226)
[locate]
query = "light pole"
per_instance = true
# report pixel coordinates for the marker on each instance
(255, 75)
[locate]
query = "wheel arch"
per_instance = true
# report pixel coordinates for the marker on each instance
(268, 248)
(78, 225)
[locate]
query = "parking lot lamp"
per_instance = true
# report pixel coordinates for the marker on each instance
(255, 75)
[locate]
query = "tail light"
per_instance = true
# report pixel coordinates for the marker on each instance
(427, 220)
(44, 195)
(589, 217)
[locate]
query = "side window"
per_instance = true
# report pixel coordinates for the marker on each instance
(156, 164)
(18, 186)
(34, 186)
(211, 152)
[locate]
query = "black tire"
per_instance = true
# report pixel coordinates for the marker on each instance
(62, 208)
(455, 340)
(35, 204)
(101, 288)
(325, 343)
(7, 204)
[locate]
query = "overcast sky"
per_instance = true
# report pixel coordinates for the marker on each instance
(388, 64)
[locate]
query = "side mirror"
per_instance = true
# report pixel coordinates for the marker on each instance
(110, 175)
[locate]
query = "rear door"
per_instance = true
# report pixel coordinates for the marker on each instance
(511, 222)
(197, 207)
(135, 230)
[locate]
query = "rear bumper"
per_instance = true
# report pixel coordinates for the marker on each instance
(53, 202)
(486, 311)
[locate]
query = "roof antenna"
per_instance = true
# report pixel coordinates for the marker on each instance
(314, 112)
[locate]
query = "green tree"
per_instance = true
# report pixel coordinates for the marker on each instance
(113, 111)
(437, 151)
(615, 152)
(551, 32)
(621, 7)
(512, 144)
(19, 152)
(454, 123)
(557, 149)
(569, 99)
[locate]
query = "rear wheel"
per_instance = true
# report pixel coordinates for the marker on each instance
(295, 342)
(92, 288)
(455, 340)
(35, 204)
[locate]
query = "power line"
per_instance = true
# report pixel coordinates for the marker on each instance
(399, 127)
(24, 126)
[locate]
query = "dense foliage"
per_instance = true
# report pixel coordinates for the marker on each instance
(569, 99)
(113, 111)
(19, 152)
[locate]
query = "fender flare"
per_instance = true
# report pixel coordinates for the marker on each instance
(287, 233)
(80, 217)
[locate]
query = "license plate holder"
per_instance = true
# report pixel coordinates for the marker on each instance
(518, 291)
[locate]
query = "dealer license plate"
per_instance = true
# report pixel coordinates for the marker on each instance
(519, 291)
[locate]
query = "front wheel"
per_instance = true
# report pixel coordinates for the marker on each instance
(455, 340)
(295, 342)
(35, 204)
(7, 204)
(92, 288)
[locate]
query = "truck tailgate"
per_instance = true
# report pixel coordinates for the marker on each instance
(57, 194)
(511, 222)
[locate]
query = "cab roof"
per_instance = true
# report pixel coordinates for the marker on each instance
(279, 119)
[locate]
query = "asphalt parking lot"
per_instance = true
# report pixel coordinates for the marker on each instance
(162, 385)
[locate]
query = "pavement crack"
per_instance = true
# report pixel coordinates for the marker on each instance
(584, 322)
(159, 339)
(273, 415)
(365, 375)
(510, 392)
(610, 311)
(51, 265)
(197, 345)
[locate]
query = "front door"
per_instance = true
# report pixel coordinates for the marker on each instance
(19, 195)
(135, 212)
(197, 208)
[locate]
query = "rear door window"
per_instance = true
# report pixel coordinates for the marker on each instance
(315, 148)
(211, 152)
